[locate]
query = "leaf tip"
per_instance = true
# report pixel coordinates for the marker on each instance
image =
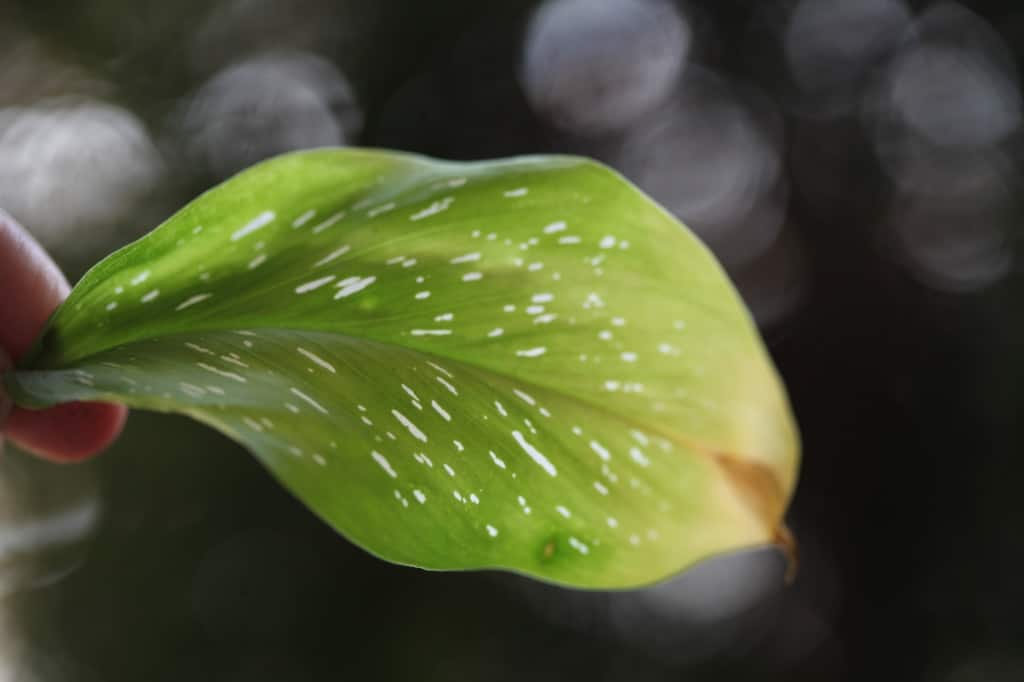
(785, 542)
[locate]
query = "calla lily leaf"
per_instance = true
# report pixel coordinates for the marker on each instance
(524, 364)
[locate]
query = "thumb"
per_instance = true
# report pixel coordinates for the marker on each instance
(33, 287)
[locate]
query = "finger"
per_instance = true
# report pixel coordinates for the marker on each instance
(67, 432)
(33, 287)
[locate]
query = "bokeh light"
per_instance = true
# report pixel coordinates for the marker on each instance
(73, 168)
(267, 105)
(594, 66)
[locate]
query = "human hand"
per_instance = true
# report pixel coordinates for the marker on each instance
(31, 287)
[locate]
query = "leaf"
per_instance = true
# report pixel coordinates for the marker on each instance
(522, 364)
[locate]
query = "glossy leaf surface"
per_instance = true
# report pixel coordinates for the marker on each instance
(523, 364)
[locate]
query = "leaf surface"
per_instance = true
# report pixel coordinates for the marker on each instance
(524, 364)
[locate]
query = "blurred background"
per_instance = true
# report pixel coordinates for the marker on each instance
(855, 164)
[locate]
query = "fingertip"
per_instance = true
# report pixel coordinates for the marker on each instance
(32, 287)
(69, 432)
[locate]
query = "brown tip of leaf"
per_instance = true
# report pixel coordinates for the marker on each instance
(786, 543)
(758, 486)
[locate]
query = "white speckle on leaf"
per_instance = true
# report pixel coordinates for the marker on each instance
(524, 396)
(440, 410)
(600, 487)
(317, 360)
(260, 221)
(433, 209)
(446, 384)
(554, 227)
(192, 390)
(497, 460)
(628, 357)
(444, 317)
(189, 302)
(420, 497)
(497, 331)
(354, 286)
(304, 218)
(384, 463)
(443, 371)
(422, 295)
(111, 305)
(337, 253)
(314, 284)
(150, 296)
(563, 511)
(220, 372)
(412, 428)
(140, 278)
(379, 210)
(467, 258)
(531, 352)
(535, 454)
(257, 261)
(601, 451)
(492, 531)
(607, 242)
(472, 276)
(317, 406)
(578, 545)
(517, 192)
(430, 332)
(234, 360)
(329, 222)
(569, 239)
(639, 457)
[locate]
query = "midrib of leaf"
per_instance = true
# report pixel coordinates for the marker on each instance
(756, 484)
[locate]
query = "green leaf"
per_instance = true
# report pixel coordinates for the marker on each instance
(523, 364)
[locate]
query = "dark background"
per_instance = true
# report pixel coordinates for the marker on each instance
(854, 163)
